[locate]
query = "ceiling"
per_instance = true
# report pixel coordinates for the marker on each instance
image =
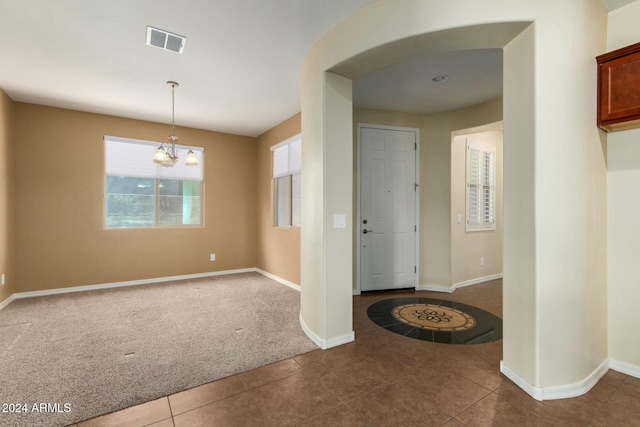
(472, 77)
(239, 73)
(616, 4)
(240, 70)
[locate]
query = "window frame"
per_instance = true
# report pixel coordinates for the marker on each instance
(156, 184)
(481, 212)
(286, 162)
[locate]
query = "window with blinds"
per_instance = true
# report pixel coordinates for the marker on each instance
(287, 168)
(140, 193)
(481, 186)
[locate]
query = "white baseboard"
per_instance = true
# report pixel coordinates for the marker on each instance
(278, 279)
(356, 292)
(325, 344)
(32, 294)
(129, 283)
(477, 281)
(533, 391)
(6, 302)
(312, 336)
(434, 288)
(576, 389)
(344, 339)
(624, 368)
(556, 392)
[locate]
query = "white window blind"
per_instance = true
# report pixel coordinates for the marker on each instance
(287, 157)
(281, 161)
(481, 186)
(134, 158)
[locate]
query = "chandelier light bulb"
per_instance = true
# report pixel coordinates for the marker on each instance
(160, 155)
(191, 159)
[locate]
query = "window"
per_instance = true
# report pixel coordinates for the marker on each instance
(287, 166)
(141, 193)
(481, 186)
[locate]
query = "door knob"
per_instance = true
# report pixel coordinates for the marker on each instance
(367, 231)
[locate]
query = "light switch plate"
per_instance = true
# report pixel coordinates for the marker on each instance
(339, 221)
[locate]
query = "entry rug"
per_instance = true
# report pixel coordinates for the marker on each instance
(436, 320)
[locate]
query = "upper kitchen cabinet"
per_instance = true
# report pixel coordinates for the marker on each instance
(619, 89)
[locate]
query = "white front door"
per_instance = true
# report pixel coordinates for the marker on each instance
(387, 208)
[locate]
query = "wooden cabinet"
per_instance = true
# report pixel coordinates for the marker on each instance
(619, 89)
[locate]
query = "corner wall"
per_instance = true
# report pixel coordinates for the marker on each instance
(59, 200)
(7, 204)
(278, 248)
(570, 194)
(623, 246)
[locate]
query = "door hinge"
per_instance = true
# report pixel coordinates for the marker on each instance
(415, 146)
(415, 228)
(415, 269)
(415, 186)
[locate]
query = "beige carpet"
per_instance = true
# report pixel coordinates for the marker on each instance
(90, 353)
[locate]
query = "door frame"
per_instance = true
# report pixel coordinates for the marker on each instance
(356, 228)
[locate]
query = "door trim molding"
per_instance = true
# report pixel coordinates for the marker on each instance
(360, 126)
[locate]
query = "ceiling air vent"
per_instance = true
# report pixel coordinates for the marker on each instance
(165, 40)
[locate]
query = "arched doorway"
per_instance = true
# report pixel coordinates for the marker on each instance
(388, 31)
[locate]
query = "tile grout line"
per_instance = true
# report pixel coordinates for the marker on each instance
(471, 405)
(229, 396)
(170, 408)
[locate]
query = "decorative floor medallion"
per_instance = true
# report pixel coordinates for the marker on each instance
(436, 320)
(433, 317)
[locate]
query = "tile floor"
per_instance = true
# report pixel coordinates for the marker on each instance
(385, 379)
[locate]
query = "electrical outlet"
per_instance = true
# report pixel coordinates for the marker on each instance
(481, 262)
(212, 257)
(3, 279)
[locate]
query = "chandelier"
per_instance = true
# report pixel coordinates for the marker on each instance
(168, 156)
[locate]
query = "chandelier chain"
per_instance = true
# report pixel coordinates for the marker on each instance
(169, 156)
(173, 109)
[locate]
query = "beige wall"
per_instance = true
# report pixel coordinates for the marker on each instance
(278, 248)
(60, 237)
(623, 181)
(435, 195)
(468, 247)
(435, 178)
(7, 174)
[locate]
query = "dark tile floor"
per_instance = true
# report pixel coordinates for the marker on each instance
(385, 379)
